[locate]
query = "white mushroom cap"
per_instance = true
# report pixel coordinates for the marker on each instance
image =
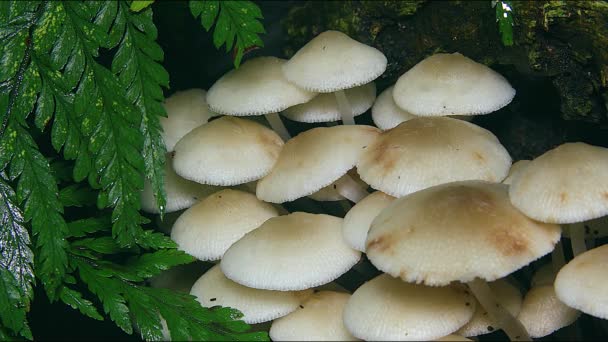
(388, 309)
(453, 337)
(214, 289)
(542, 313)
(581, 284)
(207, 229)
(451, 84)
(516, 167)
(257, 87)
(358, 219)
(482, 235)
(324, 107)
(333, 61)
(507, 295)
(330, 192)
(292, 252)
(318, 319)
(227, 151)
(186, 110)
(567, 184)
(314, 159)
(385, 112)
(414, 155)
(180, 193)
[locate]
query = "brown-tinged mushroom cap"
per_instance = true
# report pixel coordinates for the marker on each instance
(581, 284)
(186, 110)
(416, 154)
(359, 218)
(542, 312)
(314, 159)
(507, 295)
(324, 107)
(292, 252)
(207, 229)
(257, 87)
(227, 151)
(333, 61)
(319, 318)
(481, 235)
(453, 337)
(451, 84)
(257, 306)
(567, 184)
(387, 309)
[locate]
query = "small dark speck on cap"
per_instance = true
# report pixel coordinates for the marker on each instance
(195, 198)
(365, 146)
(467, 304)
(490, 328)
(220, 196)
(301, 306)
(212, 299)
(335, 186)
(324, 47)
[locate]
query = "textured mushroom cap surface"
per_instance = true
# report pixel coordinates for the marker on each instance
(516, 167)
(257, 87)
(186, 110)
(318, 319)
(227, 151)
(330, 192)
(386, 114)
(314, 159)
(482, 235)
(542, 313)
(324, 107)
(507, 295)
(453, 337)
(451, 84)
(567, 184)
(333, 61)
(415, 155)
(581, 284)
(207, 229)
(388, 309)
(257, 306)
(359, 218)
(292, 252)
(180, 193)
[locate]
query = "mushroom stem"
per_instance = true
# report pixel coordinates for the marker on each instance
(558, 259)
(277, 125)
(350, 189)
(346, 110)
(577, 239)
(502, 318)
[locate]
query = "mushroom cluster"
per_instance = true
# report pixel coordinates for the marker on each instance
(449, 221)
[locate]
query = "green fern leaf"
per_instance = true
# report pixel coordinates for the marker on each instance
(150, 264)
(75, 300)
(80, 228)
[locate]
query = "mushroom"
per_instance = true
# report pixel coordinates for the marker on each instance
(462, 231)
(319, 318)
(565, 185)
(257, 306)
(332, 62)
(292, 252)
(227, 151)
(516, 167)
(387, 309)
(207, 229)
(416, 154)
(314, 159)
(358, 220)
(451, 84)
(258, 87)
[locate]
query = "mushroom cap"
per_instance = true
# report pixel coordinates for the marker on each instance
(451, 84)
(314, 159)
(292, 252)
(257, 306)
(387, 309)
(207, 229)
(482, 235)
(227, 151)
(542, 313)
(257, 87)
(413, 156)
(330, 192)
(386, 114)
(516, 167)
(359, 218)
(453, 337)
(333, 61)
(186, 110)
(324, 107)
(318, 319)
(567, 184)
(581, 284)
(507, 295)
(180, 193)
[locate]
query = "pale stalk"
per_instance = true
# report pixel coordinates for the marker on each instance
(350, 189)
(346, 110)
(277, 125)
